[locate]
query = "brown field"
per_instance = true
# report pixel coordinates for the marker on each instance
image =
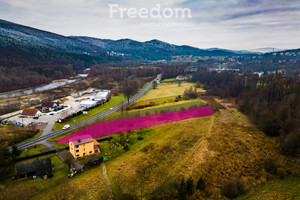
(217, 148)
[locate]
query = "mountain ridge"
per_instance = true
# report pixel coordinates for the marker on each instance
(20, 36)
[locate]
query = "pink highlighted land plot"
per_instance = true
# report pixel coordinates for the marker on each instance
(118, 126)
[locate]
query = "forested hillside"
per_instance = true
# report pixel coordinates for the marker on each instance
(272, 102)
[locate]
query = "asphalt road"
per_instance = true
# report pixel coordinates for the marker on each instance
(107, 112)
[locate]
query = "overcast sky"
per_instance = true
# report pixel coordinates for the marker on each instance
(230, 24)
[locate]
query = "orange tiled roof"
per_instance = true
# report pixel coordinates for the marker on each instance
(95, 142)
(29, 111)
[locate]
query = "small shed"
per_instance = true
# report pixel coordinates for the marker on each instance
(37, 168)
(77, 167)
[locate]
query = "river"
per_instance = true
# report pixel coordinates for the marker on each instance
(37, 89)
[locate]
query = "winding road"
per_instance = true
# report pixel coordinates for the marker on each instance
(74, 126)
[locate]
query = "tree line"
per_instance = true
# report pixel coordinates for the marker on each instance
(272, 102)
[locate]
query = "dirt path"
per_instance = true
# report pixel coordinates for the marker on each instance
(107, 182)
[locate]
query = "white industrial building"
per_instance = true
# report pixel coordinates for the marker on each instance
(87, 104)
(102, 95)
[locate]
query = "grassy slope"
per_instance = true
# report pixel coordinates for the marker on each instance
(287, 188)
(88, 185)
(32, 150)
(217, 148)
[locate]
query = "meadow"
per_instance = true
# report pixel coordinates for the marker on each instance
(168, 90)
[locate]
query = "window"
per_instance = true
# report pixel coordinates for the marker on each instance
(76, 146)
(83, 149)
(90, 151)
(77, 150)
(83, 144)
(77, 155)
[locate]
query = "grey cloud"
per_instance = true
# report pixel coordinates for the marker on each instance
(258, 12)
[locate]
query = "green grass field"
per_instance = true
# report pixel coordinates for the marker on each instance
(32, 150)
(168, 80)
(167, 90)
(115, 100)
(155, 101)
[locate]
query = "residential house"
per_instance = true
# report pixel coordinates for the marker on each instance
(180, 78)
(83, 145)
(31, 112)
(49, 105)
(281, 71)
(36, 168)
(260, 74)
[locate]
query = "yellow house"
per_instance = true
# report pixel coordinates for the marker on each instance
(83, 145)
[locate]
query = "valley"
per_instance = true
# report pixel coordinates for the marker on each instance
(97, 105)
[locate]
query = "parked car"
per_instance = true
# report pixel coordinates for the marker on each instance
(35, 117)
(66, 126)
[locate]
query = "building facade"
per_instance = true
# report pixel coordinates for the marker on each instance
(83, 146)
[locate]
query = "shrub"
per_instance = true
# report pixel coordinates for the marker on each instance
(233, 188)
(190, 93)
(281, 172)
(126, 147)
(198, 84)
(140, 138)
(200, 184)
(270, 166)
(115, 92)
(291, 144)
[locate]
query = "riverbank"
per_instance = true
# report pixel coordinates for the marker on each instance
(54, 84)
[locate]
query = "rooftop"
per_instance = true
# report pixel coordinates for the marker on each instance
(82, 139)
(48, 104)
(29, 111)
(40, 166)
(102, 94)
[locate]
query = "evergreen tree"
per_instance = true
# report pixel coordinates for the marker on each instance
(182, 190)
(200, 184)
(189, 186)
(15, 152)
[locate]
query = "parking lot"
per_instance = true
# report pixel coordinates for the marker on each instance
(71, 103)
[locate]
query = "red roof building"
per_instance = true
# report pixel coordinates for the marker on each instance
(31, 112)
